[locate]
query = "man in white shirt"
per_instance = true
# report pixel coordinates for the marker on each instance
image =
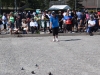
(4, 21)
(33, 25)
(91, 24)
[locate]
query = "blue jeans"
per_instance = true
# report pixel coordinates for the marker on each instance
(24, 32)
(90, 29)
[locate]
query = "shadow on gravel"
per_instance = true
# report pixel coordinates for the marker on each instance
(71, 40)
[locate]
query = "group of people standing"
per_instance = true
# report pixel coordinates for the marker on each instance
(68, 21)
(79, 21)
(16, 22)
(7, 20)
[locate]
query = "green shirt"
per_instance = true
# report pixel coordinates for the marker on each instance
(0, 16)
(36, 18)
(12, 19)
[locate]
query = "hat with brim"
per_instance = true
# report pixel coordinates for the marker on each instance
(53, 13)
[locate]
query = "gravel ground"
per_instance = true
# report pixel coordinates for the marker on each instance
(72, 55)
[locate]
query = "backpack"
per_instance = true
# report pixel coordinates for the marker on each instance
(68, 21)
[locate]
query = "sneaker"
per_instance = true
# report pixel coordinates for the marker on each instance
(5, 33)
(73, 32)
(91, 34)
(53, 40)
(57, 40)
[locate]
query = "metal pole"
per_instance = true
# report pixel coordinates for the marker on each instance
(59, 2)
(97, 6)
(0, 6)
(75, 4)
(15, 6)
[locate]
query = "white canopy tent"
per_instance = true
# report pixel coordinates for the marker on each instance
(59, 7)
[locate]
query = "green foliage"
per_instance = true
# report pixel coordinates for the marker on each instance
(71, 3)
(28, 9)
(11, 3)
(34, 4)
(38, 4)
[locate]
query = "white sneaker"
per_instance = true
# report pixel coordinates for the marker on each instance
(53, 40)
(57, 40)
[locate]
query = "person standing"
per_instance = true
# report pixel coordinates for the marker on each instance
(44, 20)
(0, 25)
(67, 20)
(4, 21)
(18, 22)
(11, 19)
(54, 24)
(37, 19)
(60, 17)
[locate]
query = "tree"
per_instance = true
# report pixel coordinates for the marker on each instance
(71, 3)
(35, 4)
(38, 4)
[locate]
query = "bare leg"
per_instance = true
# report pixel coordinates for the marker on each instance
(54, 38)
(57, 38)
(11, 31)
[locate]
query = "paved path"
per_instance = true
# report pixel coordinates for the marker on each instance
(73, 55)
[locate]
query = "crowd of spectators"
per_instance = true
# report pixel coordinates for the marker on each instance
(70, 21)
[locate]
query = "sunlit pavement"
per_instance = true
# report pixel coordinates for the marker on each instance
(72, 55)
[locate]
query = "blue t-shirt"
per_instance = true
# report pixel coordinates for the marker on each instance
(67, 17)
(54, 21)
(79, 14)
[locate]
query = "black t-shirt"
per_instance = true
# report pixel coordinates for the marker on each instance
(83, 17)
(46, 16)
(72, 14)
(75, 18)
(60, 17)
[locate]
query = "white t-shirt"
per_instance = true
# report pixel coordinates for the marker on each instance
(92, 22)
(33, 24)
(64, 13)
(4, 19)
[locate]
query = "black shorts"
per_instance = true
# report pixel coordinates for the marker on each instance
(69, 27)
(55, 31)
(4, 26)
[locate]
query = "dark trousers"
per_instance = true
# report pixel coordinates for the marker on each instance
(33, 29)
(18, 25)
(60, 24)
(4, 26)
(69, 27)
(45, 26)
(90, 29)
(24, 32)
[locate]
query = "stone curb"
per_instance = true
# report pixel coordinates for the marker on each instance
(43, 35)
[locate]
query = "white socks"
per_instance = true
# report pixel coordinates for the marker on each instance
(56, 39)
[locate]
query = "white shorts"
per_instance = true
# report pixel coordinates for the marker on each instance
(42, 23)
(47, 24)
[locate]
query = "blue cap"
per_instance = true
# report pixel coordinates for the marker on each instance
(53, 13)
